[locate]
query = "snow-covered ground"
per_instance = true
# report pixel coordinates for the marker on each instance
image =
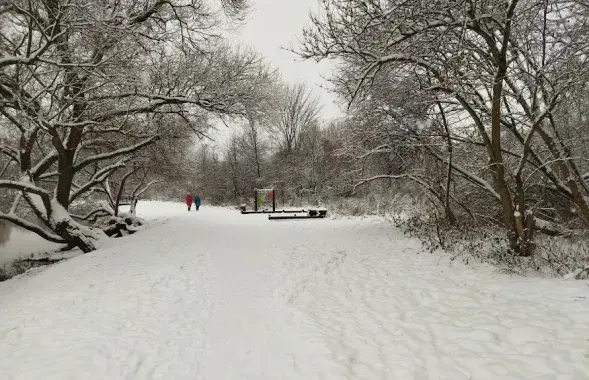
(218, 295)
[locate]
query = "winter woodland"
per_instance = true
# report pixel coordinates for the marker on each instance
(465, 119)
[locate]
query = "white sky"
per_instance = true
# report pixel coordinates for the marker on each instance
(273, 24)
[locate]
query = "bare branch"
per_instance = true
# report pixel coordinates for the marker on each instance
(32, 227)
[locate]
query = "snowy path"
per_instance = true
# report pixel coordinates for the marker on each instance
(217, 295)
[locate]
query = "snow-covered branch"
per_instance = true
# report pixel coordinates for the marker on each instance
(33, 57)
(6, 166)
(101, 211)
(23, 223)
(116, 153)
(142, 190)
(26, 187)
(468, 175)
(10, 152)
(44, 164)
(99, 177)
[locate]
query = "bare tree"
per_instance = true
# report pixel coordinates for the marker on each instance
(259, 113)
(502, 64)
(298, 113)
(84, 87)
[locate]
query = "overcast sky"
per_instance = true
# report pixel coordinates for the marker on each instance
(273, 24)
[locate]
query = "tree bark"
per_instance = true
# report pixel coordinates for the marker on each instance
(447, 209)
(517, 238)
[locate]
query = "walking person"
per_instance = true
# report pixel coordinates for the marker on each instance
(197, 202)
(188, 200)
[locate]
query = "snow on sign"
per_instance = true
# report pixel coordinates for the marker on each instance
(345, 299)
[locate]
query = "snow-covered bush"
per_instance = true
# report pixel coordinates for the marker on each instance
(468, 242)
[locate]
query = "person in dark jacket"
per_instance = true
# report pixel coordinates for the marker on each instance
(197, 202)
(188, 200)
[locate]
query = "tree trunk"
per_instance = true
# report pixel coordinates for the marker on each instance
(257, 156)
(496, 161)
(447, 210)
(513, 224)
(254, 136)
(133, 207)
(76, 235)
(524, 221)
(56, 217)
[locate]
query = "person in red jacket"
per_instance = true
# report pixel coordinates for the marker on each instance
(188, 200)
